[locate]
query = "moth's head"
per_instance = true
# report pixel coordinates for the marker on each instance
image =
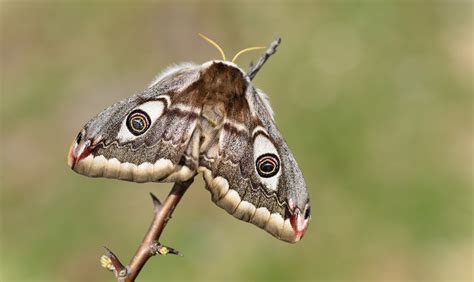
(224, 69)
(218, 66)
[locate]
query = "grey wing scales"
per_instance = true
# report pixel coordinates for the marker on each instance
(164, 153)
(228, 168)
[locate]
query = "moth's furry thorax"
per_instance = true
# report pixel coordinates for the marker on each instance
(224, 79)
(222, 87)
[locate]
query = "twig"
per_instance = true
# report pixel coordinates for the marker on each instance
(150, 245)
(270, 51)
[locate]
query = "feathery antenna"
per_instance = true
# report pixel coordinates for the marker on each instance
(246, 50)
(214, 44)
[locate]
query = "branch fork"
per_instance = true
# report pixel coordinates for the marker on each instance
(150, 245)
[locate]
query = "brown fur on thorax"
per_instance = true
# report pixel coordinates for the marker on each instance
(223, 82)
(221, 91)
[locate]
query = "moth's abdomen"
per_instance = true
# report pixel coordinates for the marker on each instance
(230, 200)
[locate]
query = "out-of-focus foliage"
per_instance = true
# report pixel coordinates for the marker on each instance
(373, 97)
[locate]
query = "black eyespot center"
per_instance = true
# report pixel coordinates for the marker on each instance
(138, 122)
(267, 165)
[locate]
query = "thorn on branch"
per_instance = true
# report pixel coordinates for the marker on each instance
(156, 203)
(158, 249)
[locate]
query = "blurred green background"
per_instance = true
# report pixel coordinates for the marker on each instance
(373, 97)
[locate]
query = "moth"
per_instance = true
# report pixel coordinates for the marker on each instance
(208, 119)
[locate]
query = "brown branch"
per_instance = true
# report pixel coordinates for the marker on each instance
(150, 245)
(254, 68)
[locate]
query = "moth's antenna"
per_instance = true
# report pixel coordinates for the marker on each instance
(214, 44)
(270, 51)
(245, 50)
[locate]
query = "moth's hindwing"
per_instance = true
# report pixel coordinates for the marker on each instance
(247, 166)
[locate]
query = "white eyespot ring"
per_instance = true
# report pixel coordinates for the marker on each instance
(140, 119)
(267, 161)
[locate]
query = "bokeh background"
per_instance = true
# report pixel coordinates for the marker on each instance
(373, 97)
